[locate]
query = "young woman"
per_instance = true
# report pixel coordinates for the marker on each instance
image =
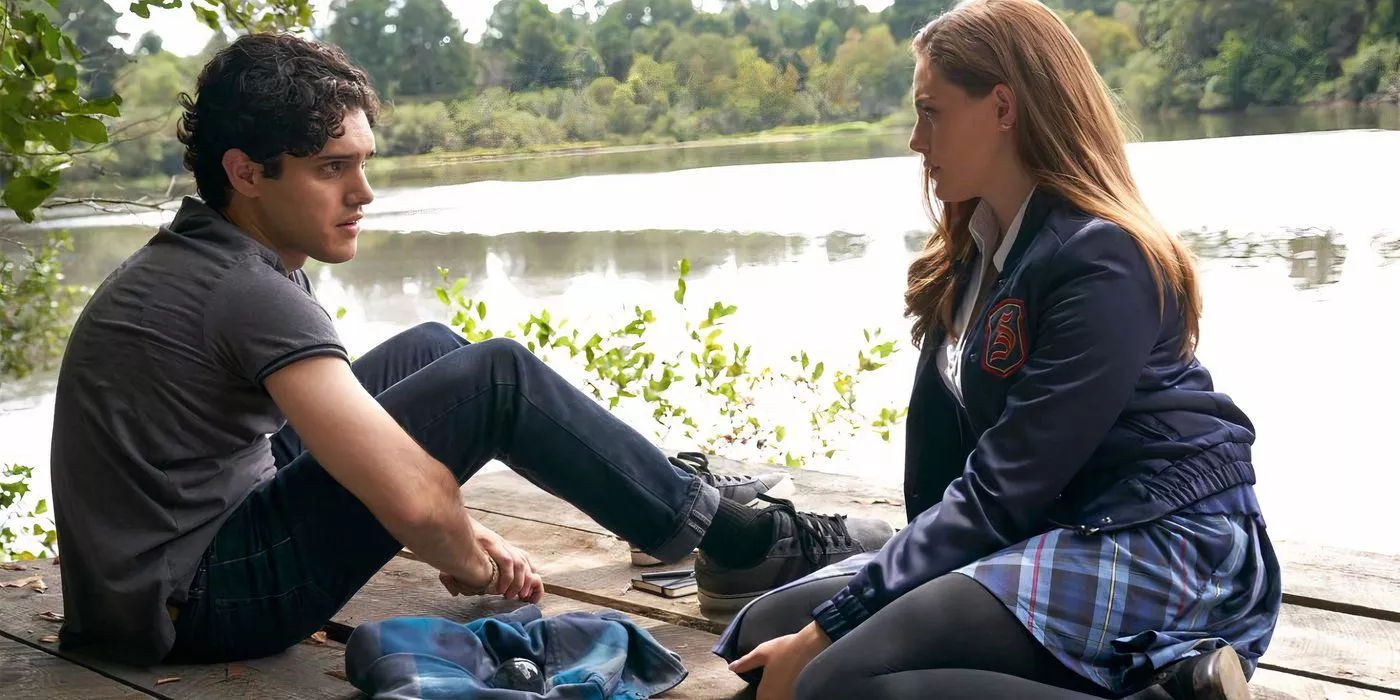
(1082, 517)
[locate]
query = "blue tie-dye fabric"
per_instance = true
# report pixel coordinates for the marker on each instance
(585, 656)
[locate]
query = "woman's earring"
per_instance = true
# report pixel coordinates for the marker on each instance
(1005, 127)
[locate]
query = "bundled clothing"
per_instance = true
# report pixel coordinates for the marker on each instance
(584, 656)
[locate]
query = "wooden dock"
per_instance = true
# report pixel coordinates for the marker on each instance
(1338, 637)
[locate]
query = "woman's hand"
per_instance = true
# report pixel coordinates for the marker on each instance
(782, 659)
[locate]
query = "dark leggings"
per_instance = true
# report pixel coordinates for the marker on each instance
(949, 638)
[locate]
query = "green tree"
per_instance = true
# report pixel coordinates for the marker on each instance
(533, 43)
(93, 24)
(361, 29)
(905, 17)
(149, 44)
(1107, 41)
(829, 38)
(430, 54)
(639, 13)
(612, 40)
(869, 77)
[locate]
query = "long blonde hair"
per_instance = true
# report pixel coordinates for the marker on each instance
(1071, 141)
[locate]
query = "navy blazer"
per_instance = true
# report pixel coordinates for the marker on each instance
(1081, 412)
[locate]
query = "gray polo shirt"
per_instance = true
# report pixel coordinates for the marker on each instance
(161, 421)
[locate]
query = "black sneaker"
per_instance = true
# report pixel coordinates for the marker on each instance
(1214, 675)
(741, 489)
(744, 489)
(802, 543)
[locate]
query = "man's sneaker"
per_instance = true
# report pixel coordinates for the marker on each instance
(1214, 675)
(741, 489)
(802, 543)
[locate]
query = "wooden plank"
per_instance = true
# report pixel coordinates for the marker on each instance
(411, 588)
(1273, 685)
(597, 569)
(299, 672)
(587, 566)
(27, 672)
(1340, 580)
(1353, 650)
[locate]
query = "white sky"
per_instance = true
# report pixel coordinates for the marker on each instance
(182, 34)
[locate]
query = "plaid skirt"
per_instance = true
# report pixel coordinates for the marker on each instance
(1114, 607)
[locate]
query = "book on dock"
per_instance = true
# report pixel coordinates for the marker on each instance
(666, 587)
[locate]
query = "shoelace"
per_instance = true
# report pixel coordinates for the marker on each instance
(814, 531)
(698, 464)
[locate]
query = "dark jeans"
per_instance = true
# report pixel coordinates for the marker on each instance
(300, 546)
(949, 638)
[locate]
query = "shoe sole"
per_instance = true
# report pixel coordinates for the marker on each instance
(1233, 684)
(782, 489)
(726, 604)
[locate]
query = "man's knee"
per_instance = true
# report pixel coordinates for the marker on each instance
(505, 353)
(435, 335)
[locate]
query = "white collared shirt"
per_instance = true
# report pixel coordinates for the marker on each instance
(949, 358)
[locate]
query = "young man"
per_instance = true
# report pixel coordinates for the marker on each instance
(188, 534)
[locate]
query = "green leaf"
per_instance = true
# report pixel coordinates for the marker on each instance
(442, 296)
(66, 76)
(51, 42)
(106, 105)
(42, 508)
(67, 100)
(25, 193)
(481, 310)
(88, 129)
(56, 133)
(140, 9)
(680, 291)
(340, 313)
(11, 133)
(459, 286)
(685, 266)
(41, 63)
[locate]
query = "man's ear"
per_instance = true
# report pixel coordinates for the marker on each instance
(243, 174)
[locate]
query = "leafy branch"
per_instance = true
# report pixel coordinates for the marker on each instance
(706, 390)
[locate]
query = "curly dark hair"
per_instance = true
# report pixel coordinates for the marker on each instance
(268, 94)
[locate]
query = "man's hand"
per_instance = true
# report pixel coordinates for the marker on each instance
(515, 573)
(782, 660)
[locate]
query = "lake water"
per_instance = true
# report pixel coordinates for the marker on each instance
(1299, 247)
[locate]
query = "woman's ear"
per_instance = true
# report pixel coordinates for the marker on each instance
(1005, 105)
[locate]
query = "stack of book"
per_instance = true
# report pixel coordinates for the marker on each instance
(668, 584)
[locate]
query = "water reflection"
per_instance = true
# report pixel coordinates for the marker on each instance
(1387, 245)
(1314, 256)
(1259, 121)
(539, 263)
(845, 246)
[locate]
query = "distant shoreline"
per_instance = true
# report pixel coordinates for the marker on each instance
(156, 186)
